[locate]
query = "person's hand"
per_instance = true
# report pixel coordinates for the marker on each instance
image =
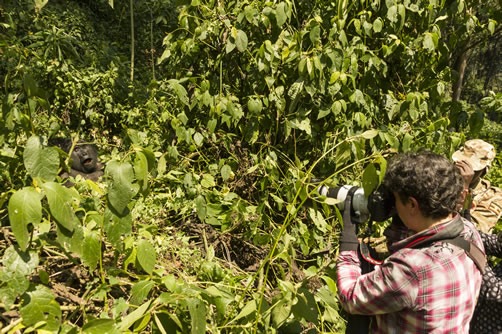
(466, 171)
(348, 238)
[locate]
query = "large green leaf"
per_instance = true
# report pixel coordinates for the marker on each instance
(122, 189)
(117, 227)
(41, 307)
(23, 263)
(25, 208)
(134, 316)
(306, 306)
(60, 201)
(140, 291)
(39, 161)
(197, 310)
(141, 170)
(241, 41)
(17, 266)
(281, 13)
(101, 326)
(91, 250)
(179, 90)
(146, 255)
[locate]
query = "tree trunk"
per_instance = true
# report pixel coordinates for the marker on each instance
(460, 66)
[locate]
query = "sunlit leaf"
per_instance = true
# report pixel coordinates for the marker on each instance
(141, 170)
(241, 41)
(208, 181)
(370, 179)
(41, 306)
(197, 310)
(146, 255)
(39, 4)
(315, 34)
(377, 25)
(306, 306)
(117, 227)
(392, 14)
(247, 310)
(430, 41)
(280, 14)
(60, 201)
(122, 189)
(370, 134)
(24, 208)
(91, 250)
(134, 316)
(140, 291)
(226, 172)
(179, 90)
(281, 309)
(229, 46)
(23, 263)
(101, 326)
(39, 161)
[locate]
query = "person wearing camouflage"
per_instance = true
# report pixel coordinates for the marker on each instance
(487, 314)
(484, 201)
(485, 209)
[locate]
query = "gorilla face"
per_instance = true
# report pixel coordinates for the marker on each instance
(84, 158)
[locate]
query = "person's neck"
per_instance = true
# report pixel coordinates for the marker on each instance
(431, 222)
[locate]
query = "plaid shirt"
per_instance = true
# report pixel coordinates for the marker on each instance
(416, 290)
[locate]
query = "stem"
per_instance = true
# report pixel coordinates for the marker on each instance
(131, 5)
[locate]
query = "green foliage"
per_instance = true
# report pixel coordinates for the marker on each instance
(207, 218)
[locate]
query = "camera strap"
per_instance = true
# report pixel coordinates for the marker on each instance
(473, 251)
(356, 323)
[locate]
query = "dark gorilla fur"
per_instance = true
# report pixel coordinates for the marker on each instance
(84, 158)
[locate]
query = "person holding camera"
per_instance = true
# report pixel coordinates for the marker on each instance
(431, 280)
(482, 203)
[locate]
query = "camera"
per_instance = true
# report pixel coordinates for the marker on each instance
(377, 206)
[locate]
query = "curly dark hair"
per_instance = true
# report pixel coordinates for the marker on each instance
(433, 180)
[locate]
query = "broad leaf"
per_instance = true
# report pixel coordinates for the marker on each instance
(280, 14)
(23, 263)
(370, 179)
(146, 255)
(41, 307)
(306, 306)
(91, 250)
(197, 310)
(24, 208)
(117, 227)
(134, 316)
(180, 91)
(60, 201)
(101, 326)
(140, 291)
(121, 190)
(241, 41)
(39, 161)
(141, 170)
(226, 172)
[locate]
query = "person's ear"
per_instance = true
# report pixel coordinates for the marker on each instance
(413, 205)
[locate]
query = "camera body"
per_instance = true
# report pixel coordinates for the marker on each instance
(377, 206)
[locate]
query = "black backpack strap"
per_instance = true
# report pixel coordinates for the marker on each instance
(473, 251)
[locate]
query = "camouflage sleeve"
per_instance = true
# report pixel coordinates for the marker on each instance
(486, 210)
(491, 288)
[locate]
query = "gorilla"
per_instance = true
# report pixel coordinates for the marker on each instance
(84, 158)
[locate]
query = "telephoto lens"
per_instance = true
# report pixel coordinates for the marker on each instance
(359, 207)
(379, 205)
